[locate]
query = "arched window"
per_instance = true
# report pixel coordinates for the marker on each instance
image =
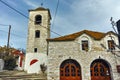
(38, 19)
(37, 34)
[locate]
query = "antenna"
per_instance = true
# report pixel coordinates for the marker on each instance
(111, 18)
(113, 24)
(116, 24)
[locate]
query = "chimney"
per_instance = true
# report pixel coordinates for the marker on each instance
(118, 28)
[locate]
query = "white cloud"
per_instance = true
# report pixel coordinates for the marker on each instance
(94, 9)
(31, 3)
(89, 14)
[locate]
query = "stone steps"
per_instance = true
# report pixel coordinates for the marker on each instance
(22, 78)
(20, 75)
(17, 78)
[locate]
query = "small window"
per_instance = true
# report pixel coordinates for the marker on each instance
(85, 45)
(37, 34)
(35, 49)
(38, 19)
(111, 45)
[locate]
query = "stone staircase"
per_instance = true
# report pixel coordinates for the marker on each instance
(21, 75)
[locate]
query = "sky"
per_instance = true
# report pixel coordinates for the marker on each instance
(72, 16)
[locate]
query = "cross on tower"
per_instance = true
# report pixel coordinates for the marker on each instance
(41, 4)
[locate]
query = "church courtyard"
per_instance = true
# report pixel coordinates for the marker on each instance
(20, 75)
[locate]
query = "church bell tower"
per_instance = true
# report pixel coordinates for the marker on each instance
(38, 30)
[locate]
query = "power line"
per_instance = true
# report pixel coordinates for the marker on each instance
(13, 9)
(55, 13)
(4, 25)
(18, 35)
(13, 34)
(52, 31)
(26, 16)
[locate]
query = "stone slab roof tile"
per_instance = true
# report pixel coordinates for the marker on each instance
(95, 35)
(41, 9)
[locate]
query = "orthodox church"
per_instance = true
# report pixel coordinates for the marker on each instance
(84, 55)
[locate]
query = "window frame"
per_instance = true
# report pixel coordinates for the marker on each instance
(35, 50)
(84, 43)
(37, 34)
(111, 45)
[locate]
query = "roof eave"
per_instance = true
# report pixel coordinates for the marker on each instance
(52, 40)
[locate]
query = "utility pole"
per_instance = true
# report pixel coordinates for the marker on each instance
(8, 38)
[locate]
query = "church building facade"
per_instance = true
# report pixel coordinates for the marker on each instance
(84, 55)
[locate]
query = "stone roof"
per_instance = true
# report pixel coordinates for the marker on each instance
(95, 35)
(41, 9)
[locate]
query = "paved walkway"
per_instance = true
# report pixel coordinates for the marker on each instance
(20, 75)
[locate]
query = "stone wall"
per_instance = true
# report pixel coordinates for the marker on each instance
(44, 27)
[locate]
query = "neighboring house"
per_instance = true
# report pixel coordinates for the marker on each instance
(85, 55)
(17, 54)
(20, 59)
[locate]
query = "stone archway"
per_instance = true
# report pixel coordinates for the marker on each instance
(100, 70)
(70, 70)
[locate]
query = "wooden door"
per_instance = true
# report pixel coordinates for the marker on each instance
(100, 71)
(70, 71)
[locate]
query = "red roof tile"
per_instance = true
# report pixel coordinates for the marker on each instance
(17, 52)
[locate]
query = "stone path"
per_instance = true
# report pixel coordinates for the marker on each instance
(20, 75)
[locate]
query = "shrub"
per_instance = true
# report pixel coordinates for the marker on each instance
(10, 63)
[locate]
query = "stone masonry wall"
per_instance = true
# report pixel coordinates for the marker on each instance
(62, 50)
(41, 42)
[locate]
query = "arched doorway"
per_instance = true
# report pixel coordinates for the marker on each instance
(100, 70)
(70, 70)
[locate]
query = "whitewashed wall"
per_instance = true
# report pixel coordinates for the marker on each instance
(35, 68)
